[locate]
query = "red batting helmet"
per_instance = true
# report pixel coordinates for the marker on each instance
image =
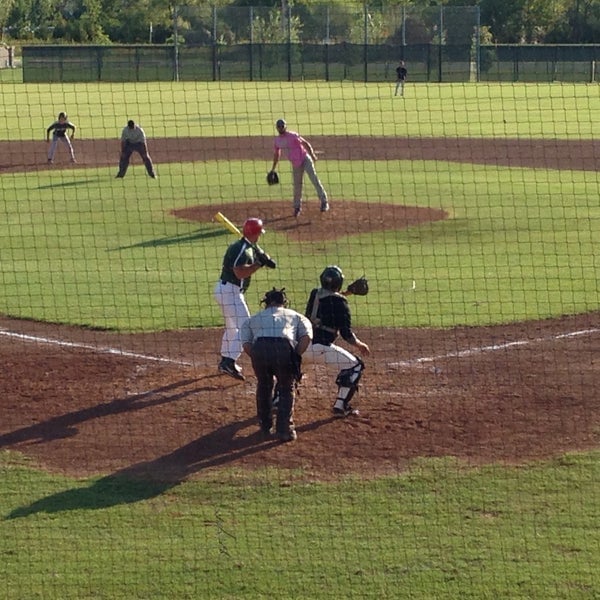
(253, 227)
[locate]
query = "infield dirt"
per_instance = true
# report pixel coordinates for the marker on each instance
(509, 393)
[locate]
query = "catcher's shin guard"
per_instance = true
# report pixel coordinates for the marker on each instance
(347, 381)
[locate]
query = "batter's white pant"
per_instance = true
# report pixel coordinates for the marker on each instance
(334, 356)
(308, 167)
(63, 140)
(235, 311)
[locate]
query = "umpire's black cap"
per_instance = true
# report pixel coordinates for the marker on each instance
(275, 297)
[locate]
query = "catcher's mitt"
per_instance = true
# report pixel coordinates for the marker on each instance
(359, 287)
(272, 178)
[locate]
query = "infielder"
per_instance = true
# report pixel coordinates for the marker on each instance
(60, 129)
(275, 339)
(302, 156)
(133, 139)
(239, 264)
(329, 313)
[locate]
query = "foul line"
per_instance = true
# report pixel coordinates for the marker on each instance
(101, 349)
(493, 348)
(400, 364)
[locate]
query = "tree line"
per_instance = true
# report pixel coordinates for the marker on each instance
(158, 21)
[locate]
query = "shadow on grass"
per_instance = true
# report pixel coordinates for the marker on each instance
(174, 239)
(149, 479)
(65, 184)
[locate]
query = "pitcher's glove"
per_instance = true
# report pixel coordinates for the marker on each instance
(264, 260)
(272, 178)
(359, 287)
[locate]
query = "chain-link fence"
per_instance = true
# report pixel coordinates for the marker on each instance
(331, 43)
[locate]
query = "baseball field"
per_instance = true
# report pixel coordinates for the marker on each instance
(132, 469)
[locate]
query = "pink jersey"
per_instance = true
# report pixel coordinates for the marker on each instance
(290, 142)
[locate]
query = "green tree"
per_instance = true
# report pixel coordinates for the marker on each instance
(579, 24)
(5, 9)
(523, 21)
(128, 21)
(30, 19)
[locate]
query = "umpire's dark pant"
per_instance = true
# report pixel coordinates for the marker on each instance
(126, 153)
(272, 360)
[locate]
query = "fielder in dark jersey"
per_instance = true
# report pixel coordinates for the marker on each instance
(328, 310)
(60, 133)
(401, 74)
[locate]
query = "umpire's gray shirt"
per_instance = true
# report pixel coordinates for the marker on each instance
(276, 322)
(133, 136)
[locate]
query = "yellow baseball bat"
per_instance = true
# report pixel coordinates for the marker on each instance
(221, 218)
(263, 257)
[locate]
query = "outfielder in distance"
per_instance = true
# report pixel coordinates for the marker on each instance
(329, 313)
(302, 156)
(60, 133)
(242, 259)
(401, 74)
(133, 139)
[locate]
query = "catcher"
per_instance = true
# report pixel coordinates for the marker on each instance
(329, 313)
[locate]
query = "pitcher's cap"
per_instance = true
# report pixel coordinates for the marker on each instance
(280, 122)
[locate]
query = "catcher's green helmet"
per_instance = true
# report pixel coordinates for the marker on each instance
(332, 278)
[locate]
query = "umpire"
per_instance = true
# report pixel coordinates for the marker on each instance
(133, 139)
(275, 339)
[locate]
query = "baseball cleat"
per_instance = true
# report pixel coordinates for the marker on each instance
(266, 432)
(325, 207)
(228, 366)
(287, 436)
(347, 411)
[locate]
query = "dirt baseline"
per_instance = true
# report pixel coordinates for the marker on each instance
(152, 405)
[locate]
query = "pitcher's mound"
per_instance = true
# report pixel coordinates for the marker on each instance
(344, 217)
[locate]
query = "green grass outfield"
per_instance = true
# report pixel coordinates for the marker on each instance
(315, 108)
(437, 531)
(80, 247)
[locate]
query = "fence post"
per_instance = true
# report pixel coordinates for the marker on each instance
(214, 44)
(441, 36)
(288, 9)
(175, 46)
(326, 53)
(251, 48)
(366, 43)
(478, 45)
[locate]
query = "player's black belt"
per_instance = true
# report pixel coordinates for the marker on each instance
(242, 290)
(275, 340)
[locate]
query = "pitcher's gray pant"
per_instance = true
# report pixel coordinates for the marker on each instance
(308, 167)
